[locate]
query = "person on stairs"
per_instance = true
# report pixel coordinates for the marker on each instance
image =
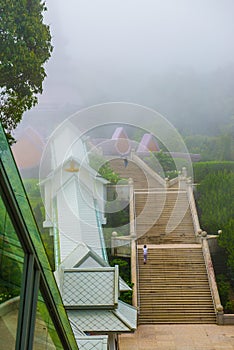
(145, 253)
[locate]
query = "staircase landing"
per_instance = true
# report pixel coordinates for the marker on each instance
(179, 337)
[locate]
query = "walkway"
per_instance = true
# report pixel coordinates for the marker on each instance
(179, 337)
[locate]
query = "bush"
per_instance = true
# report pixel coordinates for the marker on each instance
(226, 240)
(116, 214)
(215, 200)
(124, 268)
(218, 147)
(229, 307)
(223, 288)
(162, 163)
(127, 296)
(125, 273)
(99, 164)
(6, 294)
(202, 169)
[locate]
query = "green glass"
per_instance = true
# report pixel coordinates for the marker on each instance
(31, 234)
(45, 334)
(11, 263)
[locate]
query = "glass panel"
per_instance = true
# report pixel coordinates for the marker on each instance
(45, 335)
(11, 262)
(35, 238)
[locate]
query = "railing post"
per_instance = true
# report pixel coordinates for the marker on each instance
(113, 243)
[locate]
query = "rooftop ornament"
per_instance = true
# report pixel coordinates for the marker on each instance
(73, 167)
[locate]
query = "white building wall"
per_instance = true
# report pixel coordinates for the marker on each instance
(68, 219)
(67, 144)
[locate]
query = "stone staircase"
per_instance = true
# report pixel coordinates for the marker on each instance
(141, 179)
(163, 216)
(173, 286)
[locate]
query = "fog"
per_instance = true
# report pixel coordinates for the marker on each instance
(174, 56)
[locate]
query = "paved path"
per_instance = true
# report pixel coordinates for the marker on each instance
(179, 337)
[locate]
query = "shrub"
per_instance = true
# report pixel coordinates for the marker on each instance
(223, 288)
(202, 169)
(125, 273)
(229, 307)
(99, 164)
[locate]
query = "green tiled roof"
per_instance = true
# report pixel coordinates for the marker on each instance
(85, 288)
(79, 256)
(92, 342)
(99, 321)
(86, 342)
(128, 313)
(83, 256)
(123, 287)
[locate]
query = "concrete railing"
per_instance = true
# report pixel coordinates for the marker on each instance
(148, 170)
(212, 282)
(9, 306)
(120, 245)
(193, 208)
(134, 273)
(173, 181)
(134, 257)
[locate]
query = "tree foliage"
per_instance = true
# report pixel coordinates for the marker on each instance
(202, 169)
(215, 207)
(226, 240)
(98, 163)
(34, 196)
(125, 272)
(218, 147)
(215, 200)
(25, 45)
(162, 163)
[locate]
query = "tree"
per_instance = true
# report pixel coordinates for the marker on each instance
(98, 163)
(25, 45)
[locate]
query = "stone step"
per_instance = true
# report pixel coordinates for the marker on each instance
(146, 308)
(179, 259)
(174, 283)
(154, 302)
(175, 270)
(176, 313)
(174, 287)
(173, 265)
(177, 275)
(168, 260)
(174, 310)
(160, 292)
(181, 319)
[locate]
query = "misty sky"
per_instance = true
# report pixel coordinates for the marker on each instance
(126, 50)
